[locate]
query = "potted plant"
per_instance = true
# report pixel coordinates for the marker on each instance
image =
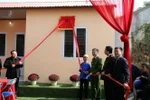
(53, 78)
(33, 78)
(75, 79)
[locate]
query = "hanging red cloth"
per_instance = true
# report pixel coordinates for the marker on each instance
(68, 22)
(118, 14)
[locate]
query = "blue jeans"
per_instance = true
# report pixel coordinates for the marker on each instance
(138, 84)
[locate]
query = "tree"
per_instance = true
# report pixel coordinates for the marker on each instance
(141, 45)
(146, 3)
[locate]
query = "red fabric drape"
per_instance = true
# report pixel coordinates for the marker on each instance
(68, 22)
(118, 14)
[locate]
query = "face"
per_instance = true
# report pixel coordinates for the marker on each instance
(14, 54)
(144, 68)
(94, 53)
(85, 59)
(106, 52)
(118, 52)
(145, 56)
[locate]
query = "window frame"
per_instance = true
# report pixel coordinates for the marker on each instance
(5, 44)
(19, 33)
(74, 46)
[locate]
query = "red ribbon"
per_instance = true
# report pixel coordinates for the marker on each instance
(127, 87)
(38, 44)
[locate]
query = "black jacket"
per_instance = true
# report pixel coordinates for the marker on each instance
(121, 70)
(145, 78)
(12, 72)
(108, 64)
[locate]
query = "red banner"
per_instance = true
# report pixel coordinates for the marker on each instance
(68, 22)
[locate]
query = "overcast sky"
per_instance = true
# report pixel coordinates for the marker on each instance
(138, 3)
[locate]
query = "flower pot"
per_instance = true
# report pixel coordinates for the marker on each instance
(33, 82)
(53, 83)
(75, 83)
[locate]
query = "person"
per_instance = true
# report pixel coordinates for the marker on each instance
(146, 58)
(120, 73)
(0, 66)
(142, 80)
(13, 69)
(84, 77)
(136, 72)
(107, 69)
(95, 71)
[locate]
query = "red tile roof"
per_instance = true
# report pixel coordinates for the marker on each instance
(44, 4)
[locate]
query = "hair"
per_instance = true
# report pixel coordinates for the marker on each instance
(145, 64)
(95, 49)
(119, 48)
(109, 49)
(12, 51)
(146, 54)
(86, 55)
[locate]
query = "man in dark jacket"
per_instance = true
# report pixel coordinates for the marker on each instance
(107, 69)
(120, 73)
(13, 65)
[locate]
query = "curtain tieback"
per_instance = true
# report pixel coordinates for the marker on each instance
(124, 38)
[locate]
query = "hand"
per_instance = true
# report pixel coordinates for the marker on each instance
(103, 73)
(20, 62)
(97, 73)
(137, 78)
(86, 72)
(90, 74)
(126, 85)
(13, 65)
(108, 74)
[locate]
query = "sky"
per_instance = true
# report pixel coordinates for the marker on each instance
(137, 4)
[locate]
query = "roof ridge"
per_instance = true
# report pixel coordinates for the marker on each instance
(46, 2)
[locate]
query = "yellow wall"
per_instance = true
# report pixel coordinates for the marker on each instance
(10, 30)
(48, 58)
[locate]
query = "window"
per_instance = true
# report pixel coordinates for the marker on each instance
(2, 44)
(20, 44)
(69, 44)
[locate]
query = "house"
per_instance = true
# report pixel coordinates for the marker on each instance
(23, 25)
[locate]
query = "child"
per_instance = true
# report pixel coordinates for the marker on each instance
(84, 75)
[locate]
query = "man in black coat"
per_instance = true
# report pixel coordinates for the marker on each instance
(107, 69)
(120, 73)
(13, 69)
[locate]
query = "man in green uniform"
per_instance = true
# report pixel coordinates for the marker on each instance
(95, 74)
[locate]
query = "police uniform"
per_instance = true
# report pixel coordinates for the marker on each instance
(95, 79)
